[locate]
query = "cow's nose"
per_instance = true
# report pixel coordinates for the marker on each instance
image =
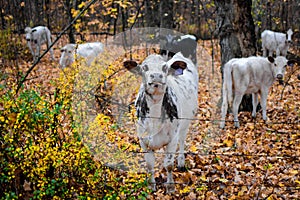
(156, 76)
(290, 42)
(280, 76)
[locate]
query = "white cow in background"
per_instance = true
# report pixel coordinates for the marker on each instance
(88, 51)
(166, 102)
(276, 42)
(252, 75)
(37, 36)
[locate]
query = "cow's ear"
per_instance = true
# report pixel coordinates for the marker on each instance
(271, 59)
(291, 63)
(132, 66)
(177, 67)
(129, 64)
(145, 68)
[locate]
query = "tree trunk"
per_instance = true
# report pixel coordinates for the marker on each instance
(151, 13)
(166, 14)
(236, 31)
(69, 5)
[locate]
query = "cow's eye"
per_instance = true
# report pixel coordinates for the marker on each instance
(69, 51)
(62, 50)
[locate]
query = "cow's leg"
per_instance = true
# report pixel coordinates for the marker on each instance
(37, 52)
(224, 107)
(254, 104)
(169, 164)
(264, 52)
(150, 161)
(264, 96)
(223, 112)
(277, 52)
(31, 50)
(149, 156)
(182, 137)
(235, 108)
(51, 49)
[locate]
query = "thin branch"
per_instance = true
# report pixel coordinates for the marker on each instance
(286, 83)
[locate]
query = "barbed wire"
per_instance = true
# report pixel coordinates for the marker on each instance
(215, 154)
(219, 120)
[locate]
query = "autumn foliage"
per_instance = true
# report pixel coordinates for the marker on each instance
(70, 134)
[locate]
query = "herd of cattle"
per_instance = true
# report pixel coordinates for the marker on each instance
(168, 95)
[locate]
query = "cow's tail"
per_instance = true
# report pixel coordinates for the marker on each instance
(227, 91)
(227, 84)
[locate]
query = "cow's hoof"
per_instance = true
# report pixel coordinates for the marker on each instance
(182, 168)
(222, 125)
(237, 124)
(152, 186)
(170, 187)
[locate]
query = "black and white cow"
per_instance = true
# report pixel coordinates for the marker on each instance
(166, 102)
(36, 37)
(186, 44)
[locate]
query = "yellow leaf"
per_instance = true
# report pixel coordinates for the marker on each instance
(293, 172)
(229, 143)
(223, 180)
(193, 149)
(81, 5)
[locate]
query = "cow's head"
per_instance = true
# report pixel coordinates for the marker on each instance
(154, 71)
(279, 65)
(289, 36)
(67, 57)
(29, 34)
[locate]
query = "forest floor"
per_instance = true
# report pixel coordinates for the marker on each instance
(256, 161)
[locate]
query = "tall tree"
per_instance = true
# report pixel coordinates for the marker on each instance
(236, 31)
(151, 13)
(71, 4)
(166, 14)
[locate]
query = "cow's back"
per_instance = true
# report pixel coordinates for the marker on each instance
(89, 49)
(271, 40)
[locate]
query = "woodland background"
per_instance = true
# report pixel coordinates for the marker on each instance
(48, 152)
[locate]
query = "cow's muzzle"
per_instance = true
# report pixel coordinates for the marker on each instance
(156, 84)
(280, 78)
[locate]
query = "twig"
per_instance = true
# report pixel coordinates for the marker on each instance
(286, 83)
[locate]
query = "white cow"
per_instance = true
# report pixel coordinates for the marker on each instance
(274, 41)
(88, 51)
(37, 36)
(252, 75)
(166, 102)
